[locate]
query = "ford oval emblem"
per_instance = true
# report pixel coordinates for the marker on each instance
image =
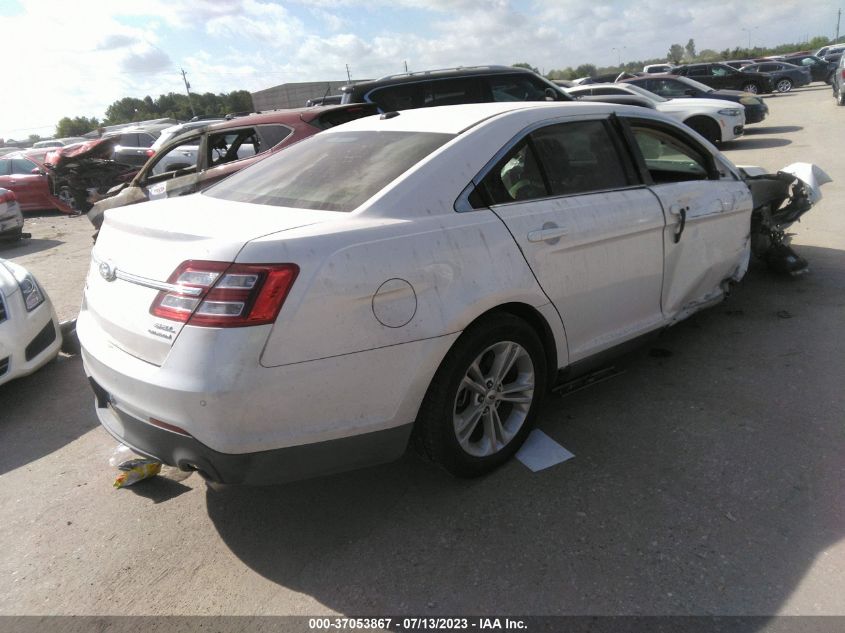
(108, 271)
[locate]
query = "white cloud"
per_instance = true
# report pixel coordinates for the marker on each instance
(83, 55)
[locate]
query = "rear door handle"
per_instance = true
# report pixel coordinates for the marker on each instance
(544, 235)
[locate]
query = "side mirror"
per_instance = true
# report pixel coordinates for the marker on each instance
(38, 171)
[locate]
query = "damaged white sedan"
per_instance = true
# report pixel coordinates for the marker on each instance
(429, 272)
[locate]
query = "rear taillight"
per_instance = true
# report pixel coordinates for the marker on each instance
(7, 196)
(150, 152)
(221, 294)
(843, 73)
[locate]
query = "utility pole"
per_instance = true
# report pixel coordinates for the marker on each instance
(188, 91)
(348, 75)
(406, 65)
(838, 16)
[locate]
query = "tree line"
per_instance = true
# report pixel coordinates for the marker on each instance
(172, 105)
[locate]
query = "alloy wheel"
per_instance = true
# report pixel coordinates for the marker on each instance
(494, 398)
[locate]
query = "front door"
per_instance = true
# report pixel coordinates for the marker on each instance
(590, 234)
(708, 214)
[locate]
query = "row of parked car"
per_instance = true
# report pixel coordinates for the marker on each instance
(777, 73)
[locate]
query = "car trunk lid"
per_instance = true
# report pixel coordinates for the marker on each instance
(139, 248)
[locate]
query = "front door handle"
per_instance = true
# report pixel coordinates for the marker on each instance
(547, 233)
(682, 221)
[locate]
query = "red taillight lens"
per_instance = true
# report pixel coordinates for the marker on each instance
(150, 152)
(7, 196)
(220, 294)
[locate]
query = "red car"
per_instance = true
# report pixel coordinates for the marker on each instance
(28, 179)
(200, 157)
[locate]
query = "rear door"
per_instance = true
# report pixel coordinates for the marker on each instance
(708, 213)
(591, 234)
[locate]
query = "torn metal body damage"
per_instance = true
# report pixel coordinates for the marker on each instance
(779, 200)
(83, 174)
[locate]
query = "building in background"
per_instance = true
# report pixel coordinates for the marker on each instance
(294, 95)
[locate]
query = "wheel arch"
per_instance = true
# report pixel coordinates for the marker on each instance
(540, 324)
(707, 121)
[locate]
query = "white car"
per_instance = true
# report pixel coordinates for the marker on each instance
(429, 271)
(716, 120)
(29, 330)
(11, 217)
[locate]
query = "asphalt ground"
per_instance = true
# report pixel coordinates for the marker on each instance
(707, 479)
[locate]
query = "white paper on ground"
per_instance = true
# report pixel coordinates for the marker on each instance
(540, 452)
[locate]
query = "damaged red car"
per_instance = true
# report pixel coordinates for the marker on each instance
(200, 157)
(29, 180)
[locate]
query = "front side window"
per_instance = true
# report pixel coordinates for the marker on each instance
(23, 166)
(332, 172)
(177, 159)
(5, 167)
(668, 157)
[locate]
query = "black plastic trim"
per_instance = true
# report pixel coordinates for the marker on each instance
(265, 467)
(42, 341)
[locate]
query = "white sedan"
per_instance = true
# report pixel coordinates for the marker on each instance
(430, 272)
(716, 120)
(29, 330)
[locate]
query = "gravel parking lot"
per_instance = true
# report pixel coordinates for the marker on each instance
(708, 478)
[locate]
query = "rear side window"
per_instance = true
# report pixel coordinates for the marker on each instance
(516, 88)
(272, 135)
(579, 157)
(394, 98)
(559, 160)
(332, 172)
(5, 167)
(331, 118)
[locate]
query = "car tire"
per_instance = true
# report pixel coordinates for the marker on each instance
(784, 85)
(751, 87)
(840, 98)
(466, 431)
(708, 128)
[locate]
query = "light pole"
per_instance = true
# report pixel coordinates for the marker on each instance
(618, 54)
(754, 28)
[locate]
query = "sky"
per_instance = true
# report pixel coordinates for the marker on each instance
(75, 58)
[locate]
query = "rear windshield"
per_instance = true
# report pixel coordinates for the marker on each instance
(331, 172)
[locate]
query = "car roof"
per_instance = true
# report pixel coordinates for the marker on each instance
(454, 119)
(441, 73)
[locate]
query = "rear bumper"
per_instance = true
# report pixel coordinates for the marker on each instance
(264, 467)
(253, 424)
